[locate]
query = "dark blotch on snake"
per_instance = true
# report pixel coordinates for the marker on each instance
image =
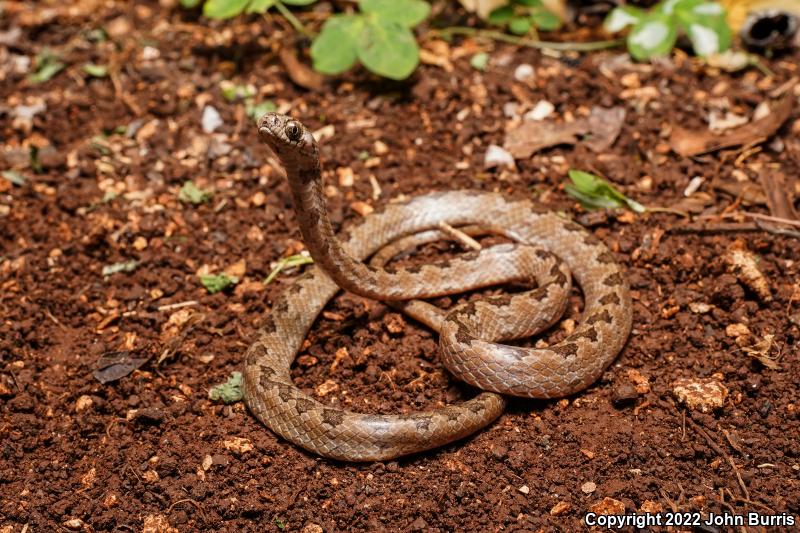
(590, 333)
(568, 349)
(606, 258)
(614, 280)
(612, 298)
(332, 417)
(601, 316)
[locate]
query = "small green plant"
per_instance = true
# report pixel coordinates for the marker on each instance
(225, 9)
(46, 66)
(95, 71)
(379, 36)
(287, 262)
(228, 392)
(521, 16)
(593, 192)
(654, 33)
(215, 283)
(192, 194)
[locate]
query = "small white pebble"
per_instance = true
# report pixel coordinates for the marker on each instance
(149, 53)
(694, 184)
(524, 489)
(497, 156)
(540, 111)
(762, 110)
(524, 72)
(211, 119)
(510, 109)
(589, 487)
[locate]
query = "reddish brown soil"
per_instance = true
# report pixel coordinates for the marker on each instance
(152, 449)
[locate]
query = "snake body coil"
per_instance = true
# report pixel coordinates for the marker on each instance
(547, 248)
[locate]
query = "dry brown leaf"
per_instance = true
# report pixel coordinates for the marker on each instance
(690, 143)
(299, 72)
(603, 125)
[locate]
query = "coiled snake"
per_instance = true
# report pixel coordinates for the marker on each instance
(546, 248)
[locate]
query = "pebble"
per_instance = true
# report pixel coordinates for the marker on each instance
(524, 489)
(702, 395)
(211, 119)
(312, 528)
(497, 156)
(624, 393)
(737, 330)
(524, 72)
(559, 509)
(589, 487)
(83, 402)
(699, 308)
(380, 148)
(608, 506)
(238, 445)
(147, 415)
(540, 111)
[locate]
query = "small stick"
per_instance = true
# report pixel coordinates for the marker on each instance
(462, 237)
(168, 307)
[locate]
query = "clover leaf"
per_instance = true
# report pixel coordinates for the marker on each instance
(522, 15)
(654, 33)
(379, 37)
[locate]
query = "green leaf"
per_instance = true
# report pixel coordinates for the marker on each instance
(260, 6)
(654, 35)
(96, 71)
(215, 283)
(479, 61)
(299, 2)
(545, 20)
(388, 48)
(256, 111)
(709, 39)
(501, 15)
(47, 66)
(14, 177)
(125, 266)
(224, 9)
(530, 3)
(190, 3)
(192, 194)
(706, 25)
(287, 262)
(232, 92)
(229, 392)
(621, 17)
(593, 192)
(406, 12)
(520, 25)
(334, 50)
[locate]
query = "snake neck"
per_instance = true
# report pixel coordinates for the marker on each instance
(305, 181)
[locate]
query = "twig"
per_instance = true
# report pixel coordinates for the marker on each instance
(169, 307)
(757, 216)
(189, 500)
(459, 235)
(715, 228)
(294, 21)
(530, 43)
(738, 477)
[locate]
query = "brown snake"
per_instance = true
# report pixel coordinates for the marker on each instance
(468, 332)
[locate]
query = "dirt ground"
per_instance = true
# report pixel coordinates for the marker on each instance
(103, 163)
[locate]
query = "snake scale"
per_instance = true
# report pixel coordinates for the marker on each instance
(545, 248)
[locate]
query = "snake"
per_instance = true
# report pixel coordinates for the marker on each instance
(544, 252)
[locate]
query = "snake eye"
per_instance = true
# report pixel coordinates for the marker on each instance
(293, 131)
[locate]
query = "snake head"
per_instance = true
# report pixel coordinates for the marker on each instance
(286, 136)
